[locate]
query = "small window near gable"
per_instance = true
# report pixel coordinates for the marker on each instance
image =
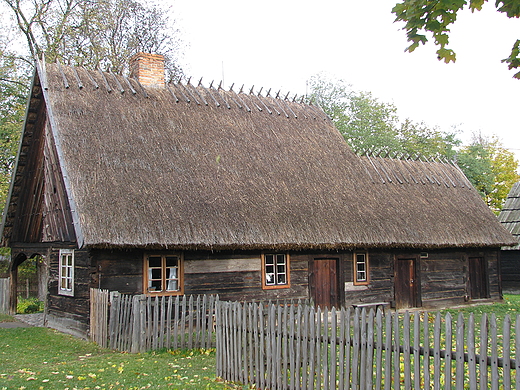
(66, 272)
(275, 270)
(163, 274)
(360, 268)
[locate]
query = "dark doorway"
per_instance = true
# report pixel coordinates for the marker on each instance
(406, 293)
(324, 282)
(477, 278)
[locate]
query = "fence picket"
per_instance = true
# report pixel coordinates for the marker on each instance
(363, 349)
(437, 352)
(312, 348)
(459, 353)
(406, 351)
(168, 341)
(341, 352)
(356, 346)
(417, 350)
(397, 356)
(318, 339)
(426, 357)
(369, 379)
(305, 347)
(472, 359)
(332, 352)
(388, 352)
(494, 352)
(324, 350)
(379, 349)
(506, 348)
(483, 353)
(250, 352)
(448, 340)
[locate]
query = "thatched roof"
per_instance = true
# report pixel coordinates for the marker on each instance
(195, 167)
(510, 214)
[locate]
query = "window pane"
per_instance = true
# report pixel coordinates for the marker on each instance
(280, 268)
(171, 261)
(154, 285)
(269, 269)
(69, 260)
(280, 259)
(172, 285)
(269, 279)
(269, 259)
(281, 279)
(171, 273)
(154, 261)
(156, 273)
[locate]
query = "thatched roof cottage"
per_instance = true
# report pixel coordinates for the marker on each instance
(135, 185)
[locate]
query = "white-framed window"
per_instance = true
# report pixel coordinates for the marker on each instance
(275, 270)
(163, 274)
(360, 268)
(66, 272)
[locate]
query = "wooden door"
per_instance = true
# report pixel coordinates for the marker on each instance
(325, 282)
(406, 282)
(477, 278)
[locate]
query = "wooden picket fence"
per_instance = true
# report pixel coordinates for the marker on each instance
(288, 347)
(5, 291)
(139, 323)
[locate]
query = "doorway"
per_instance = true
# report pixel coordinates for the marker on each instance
(406, 283)
(324, 282)
(478, 287)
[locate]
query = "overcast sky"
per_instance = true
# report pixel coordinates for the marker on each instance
(280, 44)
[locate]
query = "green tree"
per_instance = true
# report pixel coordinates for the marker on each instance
(490, 168)
(96, 33)
(419, 138)
(367, 123)
(436, 17)
(13, 93)
(364, 121)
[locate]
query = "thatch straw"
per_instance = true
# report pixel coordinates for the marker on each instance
(147, 168)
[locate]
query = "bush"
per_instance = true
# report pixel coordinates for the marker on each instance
(29, 306)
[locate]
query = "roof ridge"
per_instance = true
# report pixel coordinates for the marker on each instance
(279, 104)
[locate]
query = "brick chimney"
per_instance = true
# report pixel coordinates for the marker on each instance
(148, 69)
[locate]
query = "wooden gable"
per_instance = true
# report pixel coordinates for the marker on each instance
(38, 210)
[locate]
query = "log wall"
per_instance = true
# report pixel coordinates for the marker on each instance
(510, 271)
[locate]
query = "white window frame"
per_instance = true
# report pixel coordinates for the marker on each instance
(356, 264)
(66, 273)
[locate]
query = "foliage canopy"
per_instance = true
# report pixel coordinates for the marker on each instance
(436, 17)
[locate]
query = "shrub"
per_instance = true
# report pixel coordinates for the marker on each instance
(28, 306)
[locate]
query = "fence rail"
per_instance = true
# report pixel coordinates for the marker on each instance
(302, 348)
(139, 323)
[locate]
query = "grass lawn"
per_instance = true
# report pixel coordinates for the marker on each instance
(510, 305)
(40, 358)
